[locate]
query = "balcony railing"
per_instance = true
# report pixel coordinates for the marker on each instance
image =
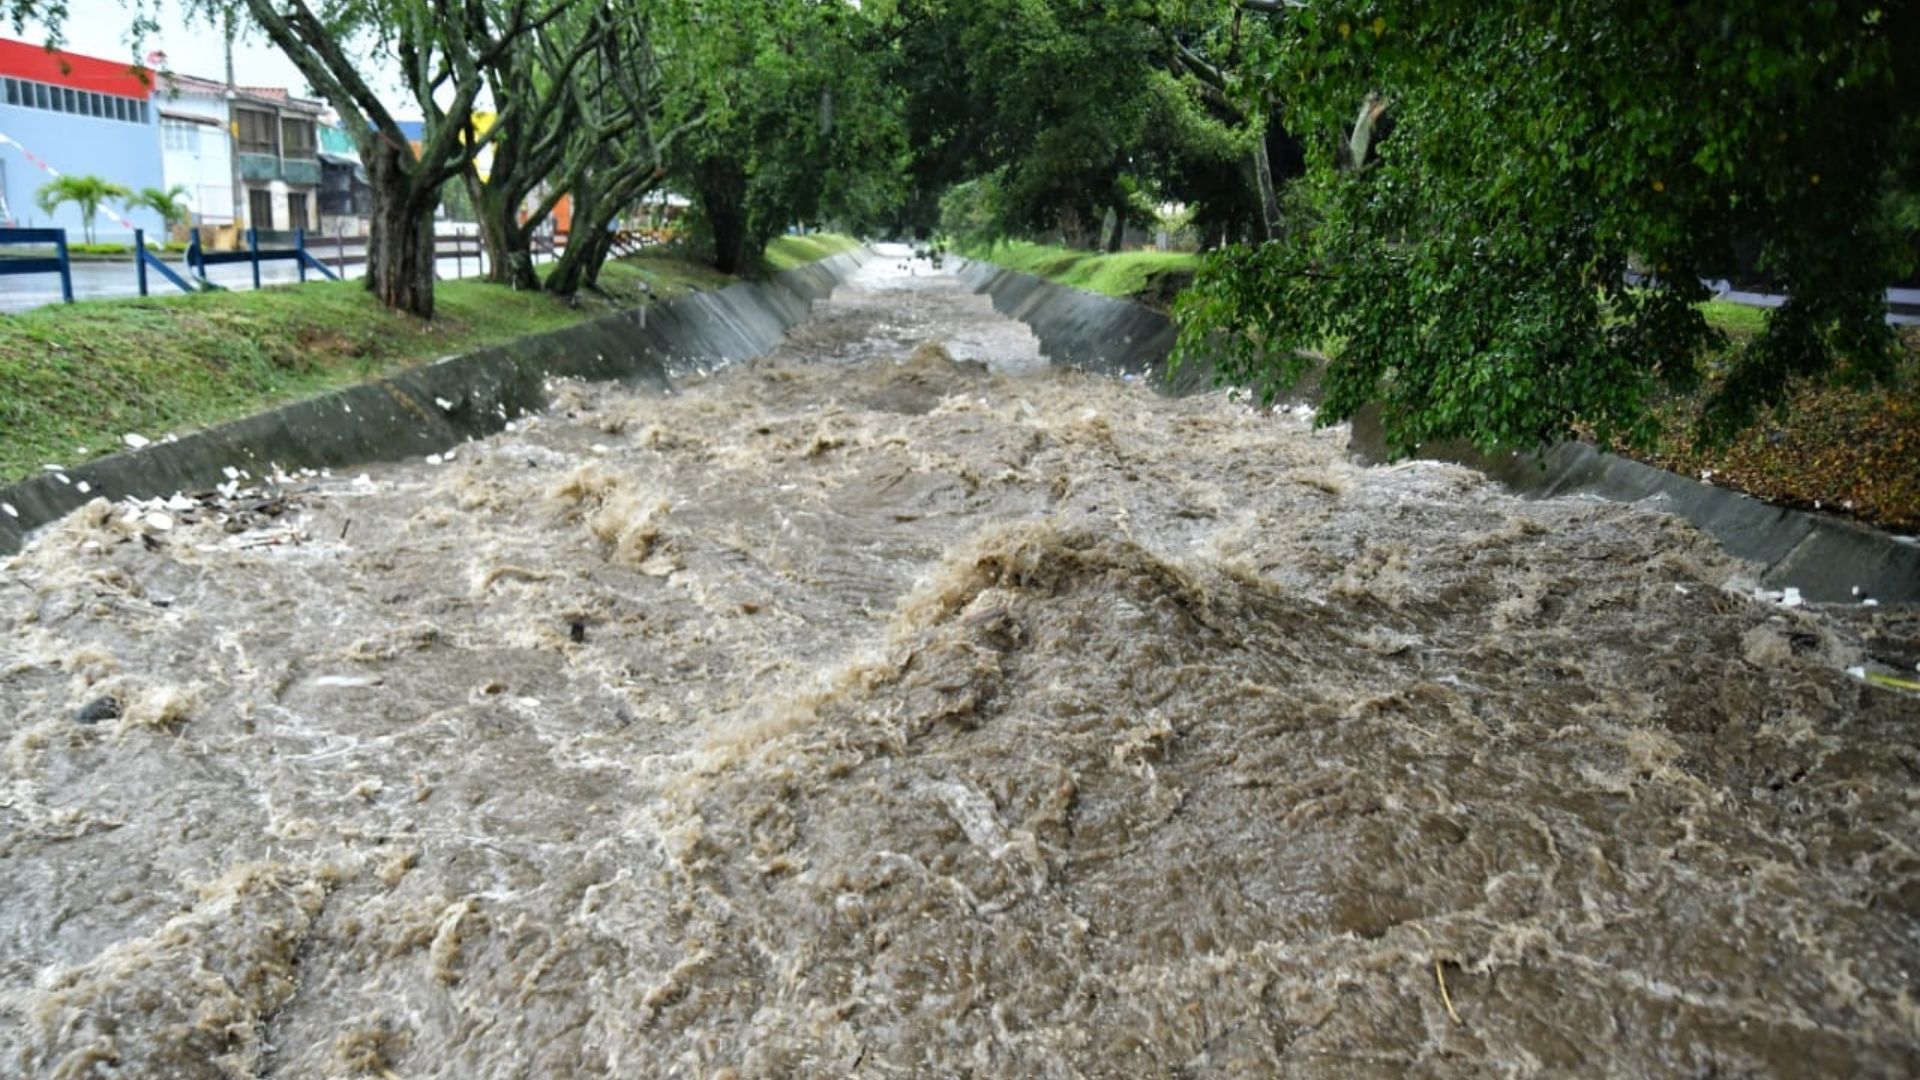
(266, 168)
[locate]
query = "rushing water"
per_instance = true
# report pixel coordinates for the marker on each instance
(896, 706)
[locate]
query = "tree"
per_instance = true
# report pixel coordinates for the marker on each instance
(1083, 111)
(85, 192)
(1522, 254)
(169, 203)
(442, 48)
(539, 127)
(798, 121)
(596, 111)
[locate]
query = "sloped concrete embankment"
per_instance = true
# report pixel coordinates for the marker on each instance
(1826, 558)
(434, 406)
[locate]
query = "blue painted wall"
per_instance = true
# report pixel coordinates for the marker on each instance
(122, 152)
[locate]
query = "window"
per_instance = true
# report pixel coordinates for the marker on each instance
(259, 209)
(97, 104)
(120, 111)
(143, 112)
(13, 92)
(256, 131)
(180, 135)
(296, 138)
(296, 210)
(41, 98)
(73, 99)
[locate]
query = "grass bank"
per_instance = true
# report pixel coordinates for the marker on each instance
(75, 378)
(787, 252)
(1152, 278)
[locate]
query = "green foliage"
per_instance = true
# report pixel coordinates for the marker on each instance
(1469, 274)
(169, 203)
(799, 124)
(1073, 111)
(971, 212)
(85, 192)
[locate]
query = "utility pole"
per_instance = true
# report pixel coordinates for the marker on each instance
(233, 129)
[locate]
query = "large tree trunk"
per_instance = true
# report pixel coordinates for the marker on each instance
(508, 242)
(597, 257)
(1269, 215)
(400, 249)
(569, 271)
(723, 198)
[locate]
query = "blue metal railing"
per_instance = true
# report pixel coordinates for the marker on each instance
(143, 259)
(58, 264)
(198, 258)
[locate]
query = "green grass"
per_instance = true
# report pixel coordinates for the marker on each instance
(1739, 321)
(787, 252)
(74, 378)
(1131, 274)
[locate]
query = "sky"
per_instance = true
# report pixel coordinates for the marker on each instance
(100, 28)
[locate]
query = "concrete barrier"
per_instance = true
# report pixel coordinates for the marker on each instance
(1826, 558)
(401, 415)
(1086, 330)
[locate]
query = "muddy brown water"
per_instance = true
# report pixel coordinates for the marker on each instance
(884, 710)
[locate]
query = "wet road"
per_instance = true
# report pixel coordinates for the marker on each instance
(107, 280)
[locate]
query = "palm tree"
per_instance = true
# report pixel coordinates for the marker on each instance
(86, 192)
(170, 204)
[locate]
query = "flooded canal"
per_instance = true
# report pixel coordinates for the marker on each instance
(896, 706)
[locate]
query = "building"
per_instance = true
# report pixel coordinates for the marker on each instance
(346, 199)
(249, 154)
(66, 114)
(279, 143)
(196, 149)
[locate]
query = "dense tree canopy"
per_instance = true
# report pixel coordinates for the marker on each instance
(1064, 116)
(1524, 252)
(800, 122)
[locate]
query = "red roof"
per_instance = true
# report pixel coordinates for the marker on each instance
(24, 60)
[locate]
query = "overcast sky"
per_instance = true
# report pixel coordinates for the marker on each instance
(100, 28)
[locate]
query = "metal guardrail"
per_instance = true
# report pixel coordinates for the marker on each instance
(57, 264)
(143, 259)
(352, 251)
(198, 258)
(261, 248)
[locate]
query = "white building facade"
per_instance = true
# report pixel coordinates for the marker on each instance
(196, 150)
(246, 155)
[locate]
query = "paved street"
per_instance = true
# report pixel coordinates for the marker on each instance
(101, 280)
